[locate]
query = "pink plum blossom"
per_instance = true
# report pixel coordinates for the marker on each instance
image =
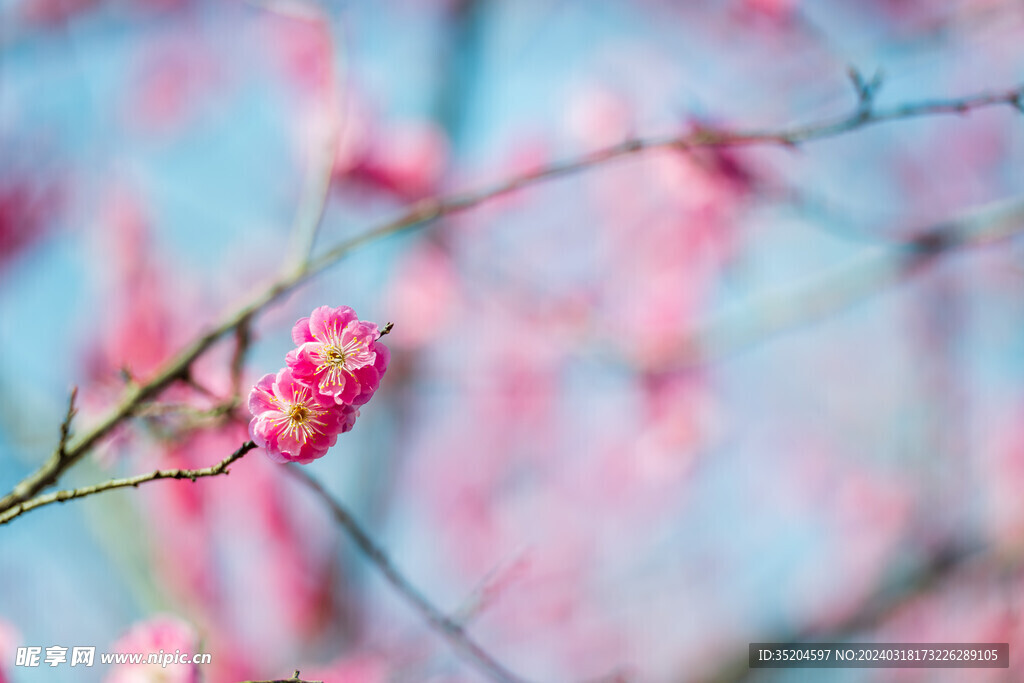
(9, 641)
(339, 355)
(163, 633)
(294, 423)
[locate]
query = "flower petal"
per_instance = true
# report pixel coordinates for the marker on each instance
(261, 398)
(383, 358)
(369, 380)
(303, 361)
(326, 323)
(301, 333)
(285, 385)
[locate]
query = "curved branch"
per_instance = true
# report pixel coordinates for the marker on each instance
(429, 210)
(447, 627)
(936, 567)
(767, 315)
(71, 494)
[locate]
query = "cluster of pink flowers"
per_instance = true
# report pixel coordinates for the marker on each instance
(336, 367)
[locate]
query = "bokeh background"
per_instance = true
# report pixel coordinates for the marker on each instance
(548, 457)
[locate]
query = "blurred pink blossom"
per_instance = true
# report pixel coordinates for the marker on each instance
(599, 117)
(162, 633)
(351, 669)
(172, 81)
(143, 326)
(54, 13)
(26, 210)
(300, 45)
(405, 157)
(423, 295)
(10, 639)
(1003, 472)
(777, 10)
(216, 544)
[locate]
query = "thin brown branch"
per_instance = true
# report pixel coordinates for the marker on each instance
(432, 209)
(429, 210)
(441, 623)
(71, 494)
(65, 426)
(218, 410)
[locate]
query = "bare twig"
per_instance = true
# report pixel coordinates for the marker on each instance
(482, 594)
(151, 410)
(865, 91)
(70, 494)
(429, 210)
(444, 625)
(65, 426)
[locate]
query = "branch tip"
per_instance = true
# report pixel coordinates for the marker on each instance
(65, 426)
(876, 81)
(856, 79)
(865, 90)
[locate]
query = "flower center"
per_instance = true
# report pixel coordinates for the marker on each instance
(339, 356)
(300, 420)
(299, 414)
(335, 355)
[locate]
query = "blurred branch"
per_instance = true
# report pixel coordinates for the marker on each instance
(310, 212)
(937, 566)
(153, 410)
(432, 209)
(484, 593)
(823, 296)
(865, 90)
(444, 625)
(423, 212)
(243, 339)
(70, 494)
